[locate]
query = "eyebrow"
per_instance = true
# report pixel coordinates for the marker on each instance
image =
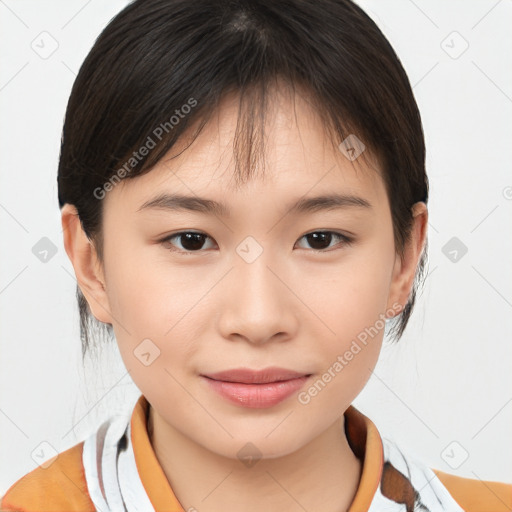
(179, 202)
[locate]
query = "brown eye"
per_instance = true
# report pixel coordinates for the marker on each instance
(190, 241)
(321, 240)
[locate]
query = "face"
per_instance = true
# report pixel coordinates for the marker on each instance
(261, 284)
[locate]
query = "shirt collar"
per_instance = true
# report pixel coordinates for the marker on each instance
(362, 435)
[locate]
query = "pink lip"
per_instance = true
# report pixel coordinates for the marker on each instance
(256, 388)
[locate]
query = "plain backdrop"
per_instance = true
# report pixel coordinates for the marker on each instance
(444, 393)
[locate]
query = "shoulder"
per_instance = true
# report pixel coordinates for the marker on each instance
(475, 495)
(57, 485)
(406, 477)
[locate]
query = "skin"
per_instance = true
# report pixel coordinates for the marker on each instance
(210, 310)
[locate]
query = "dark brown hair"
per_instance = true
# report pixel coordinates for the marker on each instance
(157, 56)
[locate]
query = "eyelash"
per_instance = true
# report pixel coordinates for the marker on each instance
(346, 240)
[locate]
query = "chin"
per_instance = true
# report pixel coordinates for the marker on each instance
(248, 450)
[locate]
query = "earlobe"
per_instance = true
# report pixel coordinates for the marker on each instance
(406, 265)
(84, 259)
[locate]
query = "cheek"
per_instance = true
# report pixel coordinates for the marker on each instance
(150, 302)
(355, 293)
(354, 308)
(144, 296)
(153, 328)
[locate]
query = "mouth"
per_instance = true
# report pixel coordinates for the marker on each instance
(256, 388)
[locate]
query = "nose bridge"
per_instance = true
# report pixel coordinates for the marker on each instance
(256, 283)
(256, 306)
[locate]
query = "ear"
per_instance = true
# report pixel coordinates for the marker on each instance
(405, 266)
(88, 270)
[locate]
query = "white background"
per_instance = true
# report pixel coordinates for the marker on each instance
(446, 384)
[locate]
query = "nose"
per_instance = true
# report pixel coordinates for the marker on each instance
(258, 305)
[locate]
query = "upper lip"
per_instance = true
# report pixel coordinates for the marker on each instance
(249, 376)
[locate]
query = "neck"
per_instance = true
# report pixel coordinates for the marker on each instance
(323, 473)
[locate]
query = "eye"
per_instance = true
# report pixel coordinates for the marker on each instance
(193, 241)
(321, 240)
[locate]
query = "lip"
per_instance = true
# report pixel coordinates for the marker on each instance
(256, 388)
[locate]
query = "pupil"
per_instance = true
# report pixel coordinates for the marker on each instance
(313, 239)
(193, 241)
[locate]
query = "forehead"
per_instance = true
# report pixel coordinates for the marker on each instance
(297, 158)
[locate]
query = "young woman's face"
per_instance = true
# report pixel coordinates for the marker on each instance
(261, 287)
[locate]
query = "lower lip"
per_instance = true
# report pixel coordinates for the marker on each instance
(257, 396)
